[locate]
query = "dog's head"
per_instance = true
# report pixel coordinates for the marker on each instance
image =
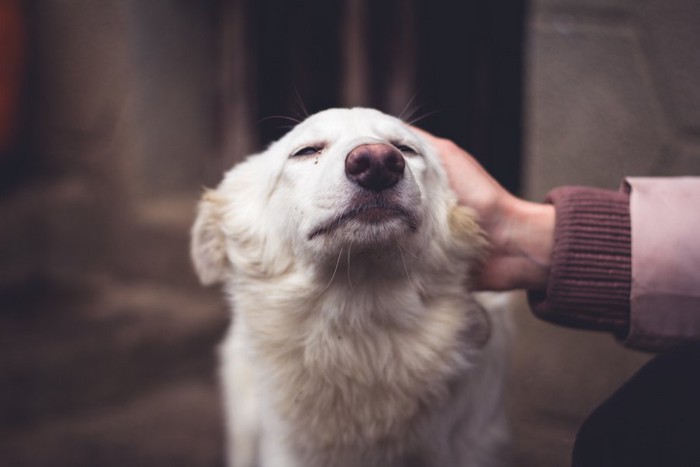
(352, 179)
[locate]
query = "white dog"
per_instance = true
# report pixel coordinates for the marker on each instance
(355, 340)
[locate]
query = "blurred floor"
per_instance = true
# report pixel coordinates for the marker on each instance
(113, 369)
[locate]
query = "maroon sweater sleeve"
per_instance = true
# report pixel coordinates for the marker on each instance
(590, 277)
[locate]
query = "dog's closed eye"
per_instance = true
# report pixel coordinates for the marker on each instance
(405, 149)
(308, 151)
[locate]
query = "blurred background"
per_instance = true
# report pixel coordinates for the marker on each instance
(115, 113)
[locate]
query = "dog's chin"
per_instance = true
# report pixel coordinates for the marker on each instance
(368, 226)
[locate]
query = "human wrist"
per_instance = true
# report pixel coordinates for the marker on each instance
(536, 239)
(527, 238)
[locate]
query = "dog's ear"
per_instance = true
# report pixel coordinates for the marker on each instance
(208, 243)
(467, 236)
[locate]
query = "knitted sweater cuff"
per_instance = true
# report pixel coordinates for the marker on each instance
(590, 276)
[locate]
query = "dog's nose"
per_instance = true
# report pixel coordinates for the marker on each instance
(375, 166)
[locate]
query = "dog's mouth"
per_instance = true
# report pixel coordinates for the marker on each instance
(373, 212)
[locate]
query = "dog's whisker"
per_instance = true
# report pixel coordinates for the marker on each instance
(337, 263)
(348, 269)
(300, 101)
(408, 251)
(407, 112)
(405, 267)
(282, 117)
(413, 121)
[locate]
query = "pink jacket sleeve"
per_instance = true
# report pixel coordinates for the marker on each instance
(665, 289)
(627, 262)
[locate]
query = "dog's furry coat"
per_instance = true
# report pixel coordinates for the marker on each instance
(355, 340)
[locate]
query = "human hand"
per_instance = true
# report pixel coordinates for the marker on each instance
(521, 233)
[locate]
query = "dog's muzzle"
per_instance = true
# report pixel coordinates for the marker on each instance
(375, 166)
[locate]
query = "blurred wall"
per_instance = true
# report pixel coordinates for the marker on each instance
(107, 341)
(130, 107)
(610, 91)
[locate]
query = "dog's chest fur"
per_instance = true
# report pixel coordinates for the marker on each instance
(359, 366)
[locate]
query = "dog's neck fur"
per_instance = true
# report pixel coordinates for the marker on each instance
(390, 339)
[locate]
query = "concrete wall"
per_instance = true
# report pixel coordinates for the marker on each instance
(611, 91)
